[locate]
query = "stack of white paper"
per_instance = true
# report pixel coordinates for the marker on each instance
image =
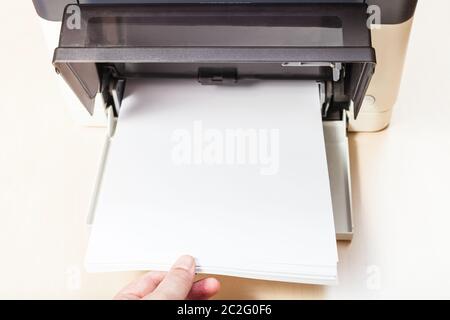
(235, 176)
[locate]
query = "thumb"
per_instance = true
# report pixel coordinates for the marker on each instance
(178, 281)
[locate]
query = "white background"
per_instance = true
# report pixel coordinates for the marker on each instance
(401, 181)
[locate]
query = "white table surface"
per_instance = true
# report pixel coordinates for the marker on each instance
(401, 181)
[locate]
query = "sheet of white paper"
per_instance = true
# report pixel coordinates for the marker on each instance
(234, 175)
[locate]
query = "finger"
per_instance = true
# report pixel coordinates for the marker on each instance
(141, 287)
(204, 289)
(178, 281)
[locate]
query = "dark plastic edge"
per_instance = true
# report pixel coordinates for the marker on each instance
(395, 11)
(52, 10)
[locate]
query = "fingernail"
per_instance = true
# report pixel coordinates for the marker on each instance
(185, 262)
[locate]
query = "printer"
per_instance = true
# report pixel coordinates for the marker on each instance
(354, 49)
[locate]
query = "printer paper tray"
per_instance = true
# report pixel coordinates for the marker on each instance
(336, 141)
(279, 223)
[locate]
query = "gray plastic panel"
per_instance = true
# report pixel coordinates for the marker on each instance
(392, 11)
(298, 25)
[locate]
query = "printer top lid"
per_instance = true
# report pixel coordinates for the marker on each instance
(218, 44)
(394, 11)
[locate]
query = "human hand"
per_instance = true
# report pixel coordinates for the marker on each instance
(177, 284)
